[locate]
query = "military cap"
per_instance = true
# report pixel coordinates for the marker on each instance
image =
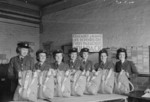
(23, 45)
(104, 50)
(84, 50)
(40, 51)
(73, 50)
(121, 50)
(57, 51)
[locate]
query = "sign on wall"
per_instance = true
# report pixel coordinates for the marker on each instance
(92, 41)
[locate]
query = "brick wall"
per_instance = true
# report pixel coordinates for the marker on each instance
(11, 32)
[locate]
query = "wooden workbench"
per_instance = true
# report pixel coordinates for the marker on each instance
(87, 98)
(90, 98)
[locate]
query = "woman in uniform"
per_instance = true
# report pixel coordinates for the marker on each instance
(23, 61)
(104, 63)
(86, 64)
(42, 63)
(74, 62)
(124, 64)
(59, 64)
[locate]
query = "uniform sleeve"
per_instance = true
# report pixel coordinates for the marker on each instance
(92, 66)
(96, 66)
(67, 67)
(79, 65)
(11, 70)
(49, 66)
(52, 66)
(133, 68)
(32, 67)
(117, 67)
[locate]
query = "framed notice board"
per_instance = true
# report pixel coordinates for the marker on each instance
(92, 41)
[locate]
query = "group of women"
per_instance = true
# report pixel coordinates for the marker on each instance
(23, 61)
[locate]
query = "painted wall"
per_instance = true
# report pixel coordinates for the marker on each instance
(121, 24)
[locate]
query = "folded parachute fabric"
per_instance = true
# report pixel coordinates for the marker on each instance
(66, 86)
(58, 83)
(24, 80)
(107, 82)
(88, 75)
(74, 78)
(94, 83)
(46, 85)
(122, 84)
(33, 88)
(49, 85)
(41, 80)
(80, 84)
(62, 84)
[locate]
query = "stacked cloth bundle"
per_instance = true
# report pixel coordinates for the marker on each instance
(45, 85)
(62, 84)
(35, 85)
(27, 87)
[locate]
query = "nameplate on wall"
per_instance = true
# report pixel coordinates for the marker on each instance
(92, 41)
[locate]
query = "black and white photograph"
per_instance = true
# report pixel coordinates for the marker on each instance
(74, 50)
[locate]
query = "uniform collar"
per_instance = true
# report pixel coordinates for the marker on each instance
(73, 60)
(101, 62)
(57, 63)
(123, 62)
(22, 56)
(41, 63)
(84, 60)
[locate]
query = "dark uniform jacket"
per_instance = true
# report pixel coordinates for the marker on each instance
(87, 66)
(62, 66)
(108, 65)
(16, 65)
(74, 65)
(128, 66)
(45, 66)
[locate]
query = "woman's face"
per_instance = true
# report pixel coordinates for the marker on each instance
(42, 57)
(103, 57)
(59, 57)
(122, 56)
(24, 51)
(73, 56)
(85, 55)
